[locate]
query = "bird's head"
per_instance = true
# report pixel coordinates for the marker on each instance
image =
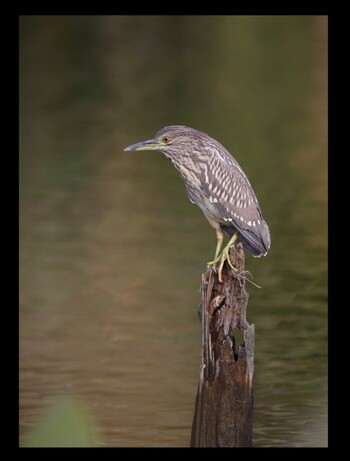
(171, 140)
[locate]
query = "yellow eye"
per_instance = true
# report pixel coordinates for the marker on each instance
(166, 139)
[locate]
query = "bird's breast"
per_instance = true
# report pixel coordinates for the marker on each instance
(191, 175)
(198, 196)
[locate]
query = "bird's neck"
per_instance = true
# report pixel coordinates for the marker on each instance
(187, 168)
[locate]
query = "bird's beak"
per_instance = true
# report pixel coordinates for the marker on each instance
(151, 144)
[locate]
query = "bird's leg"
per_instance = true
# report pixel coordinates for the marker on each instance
(225, 255)
(220, 237)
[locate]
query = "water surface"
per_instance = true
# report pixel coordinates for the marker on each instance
(111, 250)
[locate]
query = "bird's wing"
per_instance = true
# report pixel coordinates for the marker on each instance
(230, 192)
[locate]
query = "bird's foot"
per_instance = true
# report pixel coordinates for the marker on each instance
(219, 262)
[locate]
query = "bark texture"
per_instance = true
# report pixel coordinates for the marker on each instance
(224, 404)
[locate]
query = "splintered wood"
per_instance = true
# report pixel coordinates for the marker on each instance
(224, 404)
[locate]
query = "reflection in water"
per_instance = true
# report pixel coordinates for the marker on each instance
(67, 423)
(111, 251)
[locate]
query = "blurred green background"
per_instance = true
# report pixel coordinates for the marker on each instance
(112, 251)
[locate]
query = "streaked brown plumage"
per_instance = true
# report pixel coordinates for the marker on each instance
(217, 184)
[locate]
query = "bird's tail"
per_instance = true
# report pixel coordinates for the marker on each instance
(255, 240)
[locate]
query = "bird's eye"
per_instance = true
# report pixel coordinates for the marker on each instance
(166, 139)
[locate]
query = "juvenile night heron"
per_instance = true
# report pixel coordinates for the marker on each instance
(217, 184)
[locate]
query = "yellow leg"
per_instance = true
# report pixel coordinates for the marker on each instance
(224, 255)
(220, 237)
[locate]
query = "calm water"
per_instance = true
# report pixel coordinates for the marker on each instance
(112, 251)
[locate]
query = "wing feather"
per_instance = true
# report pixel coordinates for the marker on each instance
(235, 204)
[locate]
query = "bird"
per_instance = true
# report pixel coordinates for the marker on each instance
(218, 186)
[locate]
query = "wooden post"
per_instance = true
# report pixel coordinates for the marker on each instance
(224, 405)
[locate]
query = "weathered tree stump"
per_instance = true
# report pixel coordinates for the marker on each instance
(224, 405)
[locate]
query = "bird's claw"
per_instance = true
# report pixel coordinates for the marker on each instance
(225, 256)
